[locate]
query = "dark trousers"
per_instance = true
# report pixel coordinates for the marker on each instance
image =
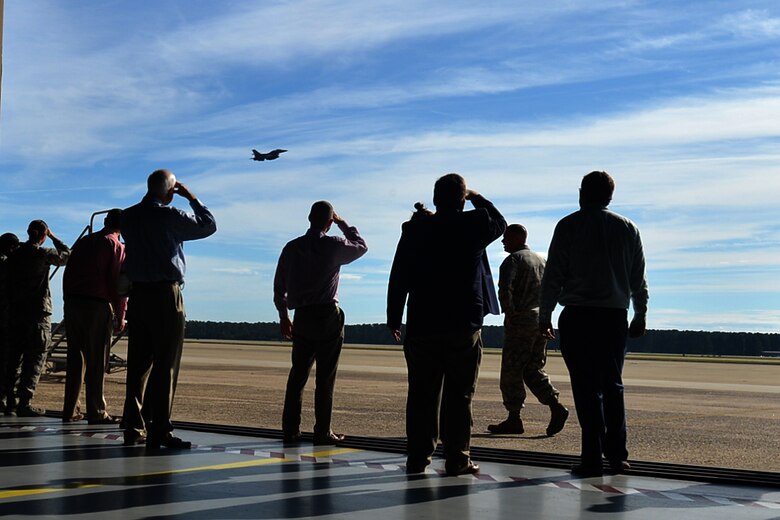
(593, 345)
(90, 328)
(442, 371)
(30, 340)
(318, 335)
(155, 316)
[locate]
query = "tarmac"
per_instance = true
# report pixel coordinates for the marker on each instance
(700, 411)
(53, 470)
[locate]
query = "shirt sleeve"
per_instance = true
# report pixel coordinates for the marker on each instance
(193, 227)
(59, 255)
(639, 292)
(352, 247)
(506, 279)
(117, 259)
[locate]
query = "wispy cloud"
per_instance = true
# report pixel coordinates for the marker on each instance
(374, 100)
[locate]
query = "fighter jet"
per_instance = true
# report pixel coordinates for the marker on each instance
(270, 156)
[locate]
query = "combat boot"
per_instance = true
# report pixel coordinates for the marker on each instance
(512, 424)
(558, 416)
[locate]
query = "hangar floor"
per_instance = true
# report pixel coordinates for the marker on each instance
(52, 470)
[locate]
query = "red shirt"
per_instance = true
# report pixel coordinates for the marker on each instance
(93, 270)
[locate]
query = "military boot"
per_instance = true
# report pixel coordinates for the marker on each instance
(558, 416)
(512, 424)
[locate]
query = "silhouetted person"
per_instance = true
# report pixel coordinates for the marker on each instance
(440, 272)
(92, 307)
(8, 244)
(595, 267)
(154, 234)
(524, 353)
(31, 308)
(307, 281)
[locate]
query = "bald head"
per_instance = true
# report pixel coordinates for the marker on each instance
(321, 215)
(515, 238)
(160, 184)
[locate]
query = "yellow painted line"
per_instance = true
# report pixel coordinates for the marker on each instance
(16, 493)
(250, 463)
(330, 452)
(217, 467)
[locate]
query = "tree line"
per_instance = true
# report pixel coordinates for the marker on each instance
(655, 341)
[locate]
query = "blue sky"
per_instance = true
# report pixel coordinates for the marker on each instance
(679, 101)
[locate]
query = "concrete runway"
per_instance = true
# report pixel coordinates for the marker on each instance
(704, 413)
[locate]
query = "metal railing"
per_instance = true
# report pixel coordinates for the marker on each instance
(57, 354)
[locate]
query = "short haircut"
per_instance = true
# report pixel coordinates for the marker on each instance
(449, 191)
(8, 242)
(37, 229)
(160, 183)
(113, 219)
(517, 229)
(597, 188)
(321, 213)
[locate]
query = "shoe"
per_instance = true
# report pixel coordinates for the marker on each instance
(169, 441)
(619, 466)
(105, 420)
(512, 424)
(73, 418)
(30, 411)
(559, 414)
(10, 411)
(469, 468)
(587, 470)
(291, 439)
(330, 439)
(133, 439)
(413, 468)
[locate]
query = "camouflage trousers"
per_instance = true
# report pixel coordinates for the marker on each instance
(30, 342)
(522, 362)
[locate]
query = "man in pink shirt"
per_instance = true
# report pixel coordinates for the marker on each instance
(307, 280)
(93, 311)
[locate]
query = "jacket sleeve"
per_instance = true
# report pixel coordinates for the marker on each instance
(398, 285)
(552, 281)
(496, 221)
(280, 287)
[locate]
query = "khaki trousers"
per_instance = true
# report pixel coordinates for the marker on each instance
(89, 326)
(155, 316)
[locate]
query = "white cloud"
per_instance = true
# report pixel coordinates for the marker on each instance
(374, 103)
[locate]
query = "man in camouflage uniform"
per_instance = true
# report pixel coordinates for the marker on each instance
(524, 354)
(28, 280)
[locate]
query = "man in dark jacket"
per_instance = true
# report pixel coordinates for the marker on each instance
(440, 272)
